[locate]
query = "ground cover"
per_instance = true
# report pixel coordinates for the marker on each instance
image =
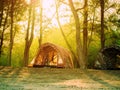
(58, 79)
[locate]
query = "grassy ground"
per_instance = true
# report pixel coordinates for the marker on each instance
(58, 79)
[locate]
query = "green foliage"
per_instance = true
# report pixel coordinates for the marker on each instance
(93, 51)
(34, 49)
(17, 56)
(4, 60)
(4, 57)
(113, 33)
(55, 36)
(118, 42)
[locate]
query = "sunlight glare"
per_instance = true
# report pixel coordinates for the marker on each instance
(50, 12)
(37, 10)
(49, 8)
(28, 1)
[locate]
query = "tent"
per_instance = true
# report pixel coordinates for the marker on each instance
(108, 58)
(51, 55)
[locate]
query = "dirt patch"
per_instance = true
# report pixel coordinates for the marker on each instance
(58, 79)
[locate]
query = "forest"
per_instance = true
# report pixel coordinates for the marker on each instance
(81, 26)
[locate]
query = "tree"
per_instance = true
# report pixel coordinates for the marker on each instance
(102, 2)
(11, 10)
(29, 35)
(1, 11)
(41, 26)
(3, 21)
(79, 48)
(85, 32)
(11, 31)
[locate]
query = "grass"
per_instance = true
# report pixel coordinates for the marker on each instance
(58, 79)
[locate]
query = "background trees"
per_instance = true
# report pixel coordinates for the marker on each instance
(81, 26)
(3, 21)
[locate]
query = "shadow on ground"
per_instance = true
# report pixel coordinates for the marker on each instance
(58, 79)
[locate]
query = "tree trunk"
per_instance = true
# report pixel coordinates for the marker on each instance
(41, 21)
(2, 33)
(11, 32)
(102, 24)
(26, 50)
(29, 37)
(79, 49)
(1, 11)
(85, 33)
(26, 55)
(1, 18)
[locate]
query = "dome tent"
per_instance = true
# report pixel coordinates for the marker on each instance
(53, 56)
(108, 58)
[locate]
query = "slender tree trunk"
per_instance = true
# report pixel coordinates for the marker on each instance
(1, 19)
(26, 50)
(79, 49)
(11, 32)
(29, 36)
(102, 24)
(41, 21)
(85, 33)
(2, 33)
(26, 55)
(1, 11)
